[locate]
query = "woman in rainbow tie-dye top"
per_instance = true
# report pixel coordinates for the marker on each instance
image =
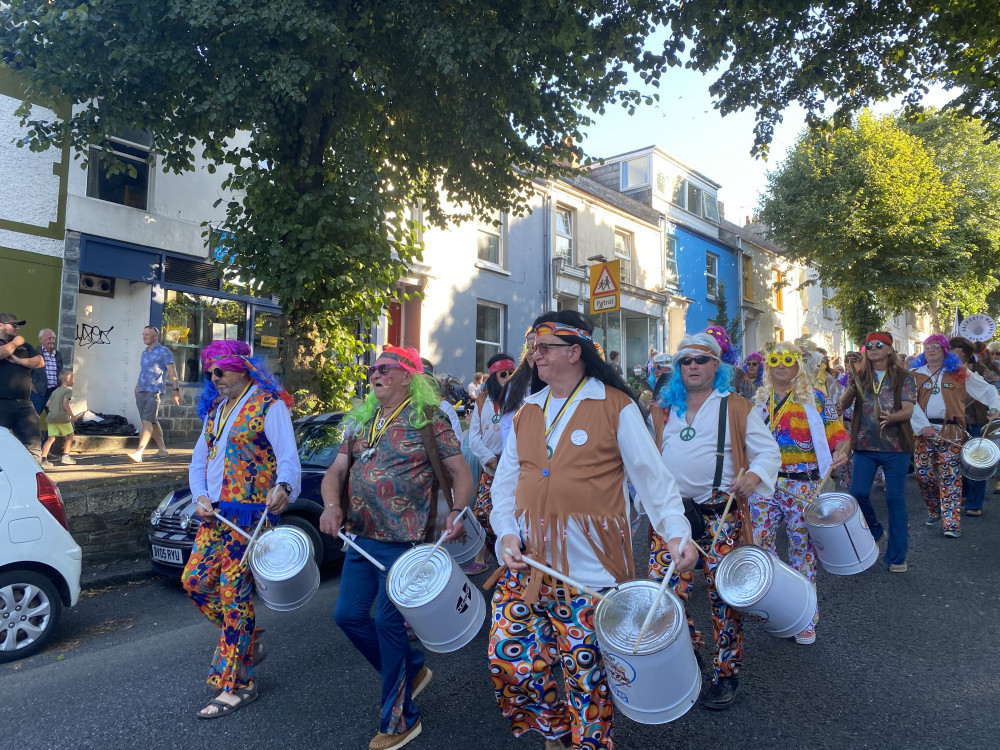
(812, 439)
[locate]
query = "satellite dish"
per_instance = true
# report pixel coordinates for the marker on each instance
(977, 327)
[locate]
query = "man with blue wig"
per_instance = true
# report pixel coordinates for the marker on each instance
(244, 465)
(697, 401)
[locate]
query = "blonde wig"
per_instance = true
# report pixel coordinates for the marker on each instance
(801, 387)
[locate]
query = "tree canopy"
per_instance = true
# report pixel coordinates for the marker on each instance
(894, 214)
(331, 119)
(843, 53)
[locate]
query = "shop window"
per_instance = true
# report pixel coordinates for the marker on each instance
(623, 252)
(490, 327)
(192, 321)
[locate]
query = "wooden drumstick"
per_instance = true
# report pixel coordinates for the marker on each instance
(557, 575)
(822, 481)
(725, 513)
(659, 594)
(256, 533)
(417, 568)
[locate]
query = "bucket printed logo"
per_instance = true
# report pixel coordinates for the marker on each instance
(620, 672)
(464, 599)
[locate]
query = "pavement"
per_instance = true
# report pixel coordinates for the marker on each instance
(97, 471)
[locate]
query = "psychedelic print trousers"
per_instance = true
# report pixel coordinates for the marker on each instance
(223, 590)
(767, 515)
(727, 623)
(936, 464)
(483, 506)
(526, 641)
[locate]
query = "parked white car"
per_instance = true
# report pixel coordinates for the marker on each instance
(39, 561)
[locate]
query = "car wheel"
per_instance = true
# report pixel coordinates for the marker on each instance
(29, 611)
(311, 531)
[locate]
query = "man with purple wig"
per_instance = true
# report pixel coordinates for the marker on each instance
(244, 465)
(943, 386)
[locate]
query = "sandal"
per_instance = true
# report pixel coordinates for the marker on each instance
(246, 695)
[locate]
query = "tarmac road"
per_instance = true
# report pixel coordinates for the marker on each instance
(899, 663)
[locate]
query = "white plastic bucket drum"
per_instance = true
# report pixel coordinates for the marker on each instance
(466, 547)
(439, 601)
(284, 568)
(837, 529)
(980, 457)
(661, 682)
(757, 583)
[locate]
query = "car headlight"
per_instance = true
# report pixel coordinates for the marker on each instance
(164, 503)
(155, 518)
(185, 522)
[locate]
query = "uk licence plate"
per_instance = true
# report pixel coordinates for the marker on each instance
(168, 554)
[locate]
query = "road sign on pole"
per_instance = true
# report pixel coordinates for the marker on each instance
(605, 287)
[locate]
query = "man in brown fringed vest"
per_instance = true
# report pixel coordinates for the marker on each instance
(698, 396)
(560, 496)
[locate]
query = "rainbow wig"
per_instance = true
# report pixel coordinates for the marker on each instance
(674, 396)
(235, 356)
(952, 364)
(425, 399)
(759, 359)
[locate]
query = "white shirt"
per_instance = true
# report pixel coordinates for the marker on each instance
(205, 474)
(975, 386)
(456, 423)
(485, 435)
(642, 464)
(692, 462)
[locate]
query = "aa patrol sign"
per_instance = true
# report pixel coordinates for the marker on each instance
(605, 287)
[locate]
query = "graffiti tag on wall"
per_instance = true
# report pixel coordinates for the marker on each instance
(88, 335)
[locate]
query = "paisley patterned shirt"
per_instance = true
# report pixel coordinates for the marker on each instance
(391, 492)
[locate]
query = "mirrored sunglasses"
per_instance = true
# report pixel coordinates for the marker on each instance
(382, 369)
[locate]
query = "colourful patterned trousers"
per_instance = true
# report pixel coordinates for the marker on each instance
(526, 640)
(727, 623)
(483, 506)
(222, 590)
(936, 465)
(767, 515)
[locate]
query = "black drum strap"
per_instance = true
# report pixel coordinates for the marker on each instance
(720, 449)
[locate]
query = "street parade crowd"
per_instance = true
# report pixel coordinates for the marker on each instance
(712, 453)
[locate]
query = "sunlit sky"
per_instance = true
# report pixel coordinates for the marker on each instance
(686, 125)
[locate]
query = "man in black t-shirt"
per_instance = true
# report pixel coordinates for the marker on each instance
(17, 359)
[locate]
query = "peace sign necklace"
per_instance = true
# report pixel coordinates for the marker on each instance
(937, 380)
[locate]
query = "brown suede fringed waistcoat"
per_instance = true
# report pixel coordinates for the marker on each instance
(952, 391)
(582, 482)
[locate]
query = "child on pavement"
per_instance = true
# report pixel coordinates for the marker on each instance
(60, 420)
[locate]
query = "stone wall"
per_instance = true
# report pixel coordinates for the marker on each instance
(181, 424)
(110, 523)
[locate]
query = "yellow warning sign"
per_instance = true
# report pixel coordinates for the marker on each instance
(605, 287)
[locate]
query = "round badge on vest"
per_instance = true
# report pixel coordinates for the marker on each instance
(579, 437)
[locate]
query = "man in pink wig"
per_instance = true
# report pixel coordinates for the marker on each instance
(244, 465)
